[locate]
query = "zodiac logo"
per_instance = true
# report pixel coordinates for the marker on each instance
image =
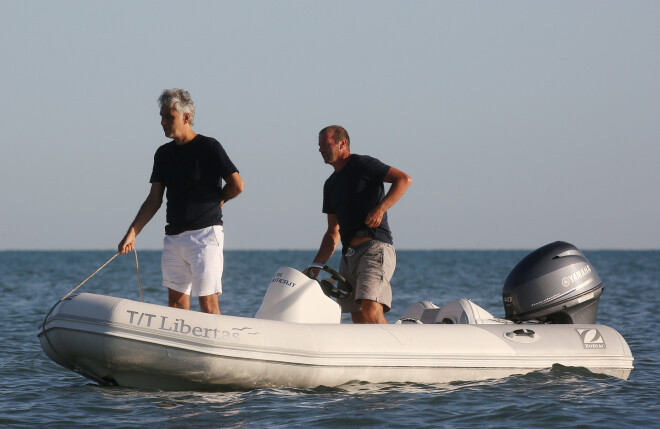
(591, 338)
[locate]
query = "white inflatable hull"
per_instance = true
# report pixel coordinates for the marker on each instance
(141, 345)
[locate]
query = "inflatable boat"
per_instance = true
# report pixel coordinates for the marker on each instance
(296, 338)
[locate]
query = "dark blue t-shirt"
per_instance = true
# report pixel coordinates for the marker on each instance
(192, 174)
(352, 192)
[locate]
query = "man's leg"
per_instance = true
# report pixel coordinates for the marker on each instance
(206, 264)
(370, 312)
(176, 273)
(209, 304)
(178, 299)
(373, 290)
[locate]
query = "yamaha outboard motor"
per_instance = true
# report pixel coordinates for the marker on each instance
(553, 284)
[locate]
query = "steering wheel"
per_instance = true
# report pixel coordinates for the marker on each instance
(341, 290)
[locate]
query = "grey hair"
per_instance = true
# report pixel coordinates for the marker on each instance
(178, 99)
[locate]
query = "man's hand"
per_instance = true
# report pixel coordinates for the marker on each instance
(311, 272)
(128, 243)
(374, 218)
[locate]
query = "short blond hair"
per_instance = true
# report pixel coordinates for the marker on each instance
(337, 132)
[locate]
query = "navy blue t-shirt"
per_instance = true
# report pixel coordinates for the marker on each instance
(192, 174)
(352, 192)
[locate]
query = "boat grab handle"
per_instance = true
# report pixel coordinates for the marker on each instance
(524, 333)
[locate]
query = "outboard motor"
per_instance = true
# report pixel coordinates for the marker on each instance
(553, 284)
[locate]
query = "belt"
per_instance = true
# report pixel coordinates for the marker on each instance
(349, 251)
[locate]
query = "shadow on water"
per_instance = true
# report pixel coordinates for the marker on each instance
(354, 404)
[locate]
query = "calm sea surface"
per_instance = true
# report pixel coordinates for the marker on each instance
(37, 392)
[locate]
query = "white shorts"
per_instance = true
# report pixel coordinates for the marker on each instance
(192, 261)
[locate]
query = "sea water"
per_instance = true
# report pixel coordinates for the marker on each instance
(34, 391)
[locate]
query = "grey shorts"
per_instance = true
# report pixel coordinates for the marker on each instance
(368, 268)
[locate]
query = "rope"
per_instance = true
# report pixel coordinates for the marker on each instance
(103, 266)
(137, 268)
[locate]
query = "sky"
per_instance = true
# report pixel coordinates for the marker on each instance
(520, 122)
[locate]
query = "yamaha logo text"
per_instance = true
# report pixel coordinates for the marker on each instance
(576, 276)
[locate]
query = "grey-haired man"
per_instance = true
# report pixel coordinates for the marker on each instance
(191, 168)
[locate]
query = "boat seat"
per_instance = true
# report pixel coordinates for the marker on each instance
(414, 312)
(460, 311)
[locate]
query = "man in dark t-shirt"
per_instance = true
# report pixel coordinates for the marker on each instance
(192, 174)
(191, 168)
(356, 204)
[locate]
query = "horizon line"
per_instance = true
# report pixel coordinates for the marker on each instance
(403, 249)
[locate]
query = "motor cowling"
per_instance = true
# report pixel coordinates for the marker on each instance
(553, 284)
